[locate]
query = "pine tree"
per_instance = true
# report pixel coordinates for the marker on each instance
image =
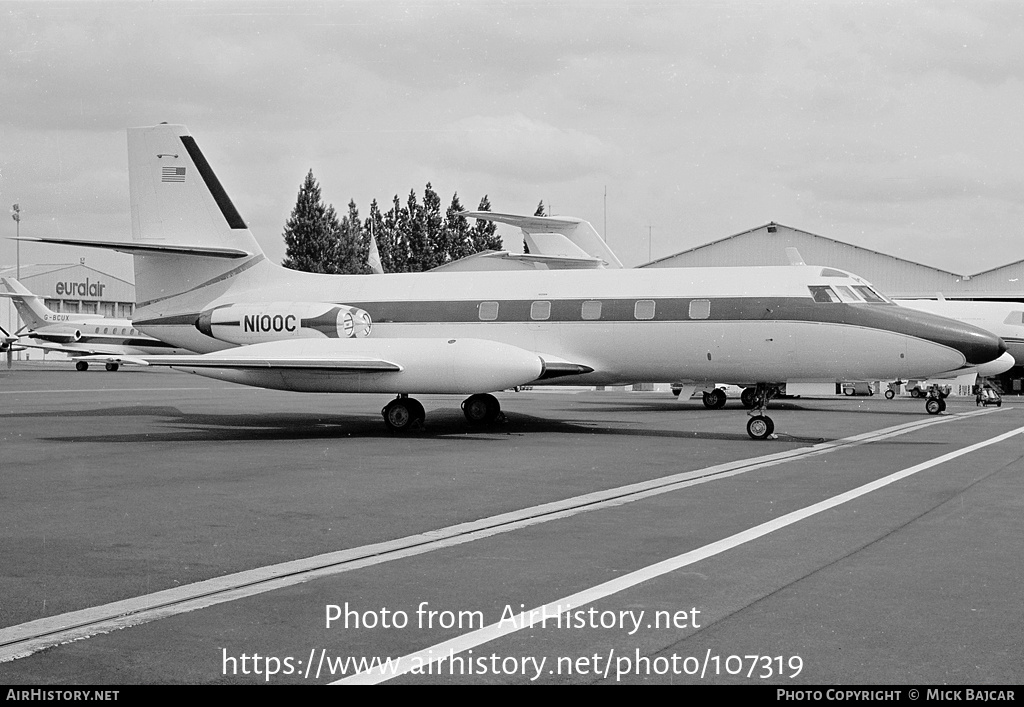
(311, 232)
(394, 244)
(484, 233)
(456, 226)
(352, 248)
(435, 238)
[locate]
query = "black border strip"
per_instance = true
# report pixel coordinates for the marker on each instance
(231, 214)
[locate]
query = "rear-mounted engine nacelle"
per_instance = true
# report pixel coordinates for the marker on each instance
(57, 333)
(275, 321)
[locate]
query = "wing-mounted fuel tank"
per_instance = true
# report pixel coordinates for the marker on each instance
(277, 321)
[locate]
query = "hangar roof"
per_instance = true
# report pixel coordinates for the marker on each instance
(897, 277)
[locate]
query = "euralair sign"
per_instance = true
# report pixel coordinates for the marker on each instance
(80, 289)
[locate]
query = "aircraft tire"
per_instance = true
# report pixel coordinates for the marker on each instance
(934, 406)
(399, 415)
(747, 398)
(889, 395)
(715, 400)
(760, 427)
(112, 367)
(416, 408)
(481, 409)
(81, 366)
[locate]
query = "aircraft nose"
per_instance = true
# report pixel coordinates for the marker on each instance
(977, 345)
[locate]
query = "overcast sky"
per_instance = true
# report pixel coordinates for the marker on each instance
(895, 126)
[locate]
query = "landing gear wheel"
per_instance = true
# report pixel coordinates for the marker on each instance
(81, 366)
(934, 406)
(402, 413)
(481, 409)
(890, 394)
(760, 427)
(748, 399)
(111, 367)
(715, 400)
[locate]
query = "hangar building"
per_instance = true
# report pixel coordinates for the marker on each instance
(71, 288)
(895, 277)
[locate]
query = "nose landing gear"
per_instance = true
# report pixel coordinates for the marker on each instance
(760, 426)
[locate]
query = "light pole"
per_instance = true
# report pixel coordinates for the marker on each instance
(16, 215)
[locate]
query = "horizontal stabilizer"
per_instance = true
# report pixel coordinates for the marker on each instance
(136, 248)
(504, 260)
(581, 233)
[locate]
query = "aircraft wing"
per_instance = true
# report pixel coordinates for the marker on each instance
(415, 365)
(327, 363)
(71, 349)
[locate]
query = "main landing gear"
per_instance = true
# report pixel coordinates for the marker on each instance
(715, 400)
(84, 366)
(481, 409)
(760, 426)
(403, 413)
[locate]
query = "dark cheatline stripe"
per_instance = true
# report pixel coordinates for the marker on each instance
(977, 345)
(227, 208)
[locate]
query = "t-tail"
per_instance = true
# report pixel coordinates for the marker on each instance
(31, 307)
(192, 240)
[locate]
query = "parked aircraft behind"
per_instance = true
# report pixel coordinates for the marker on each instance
(8, 345)
(1004, 319)
(78, 335)
(203, 283)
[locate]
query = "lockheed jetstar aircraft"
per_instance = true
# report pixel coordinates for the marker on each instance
(84, 337)
(203, 283)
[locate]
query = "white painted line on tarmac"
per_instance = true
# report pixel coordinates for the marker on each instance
(527, 619)
(24, 639)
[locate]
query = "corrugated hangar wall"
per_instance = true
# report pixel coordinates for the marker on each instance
(896, 277)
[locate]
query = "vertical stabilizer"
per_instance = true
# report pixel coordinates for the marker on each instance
(177, 200)
(31, 307)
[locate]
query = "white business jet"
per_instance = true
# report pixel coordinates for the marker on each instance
(81, 336)
(204, 284)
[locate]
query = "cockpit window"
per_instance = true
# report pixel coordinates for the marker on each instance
(832, 272)
(846, 294)
(868, 294)
(823, 293)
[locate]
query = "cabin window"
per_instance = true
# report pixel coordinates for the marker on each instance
(868, 294)
(106, 330)
(540, 310)
(591, 310)
(1014, 319)
(700, 308)
(488, 311)
(644, 309)
(823, 293)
